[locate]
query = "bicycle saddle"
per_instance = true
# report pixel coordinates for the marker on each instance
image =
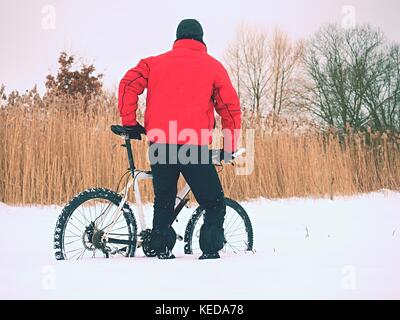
(119, 130)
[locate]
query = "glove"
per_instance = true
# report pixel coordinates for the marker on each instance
(227, 156)
(135, 132)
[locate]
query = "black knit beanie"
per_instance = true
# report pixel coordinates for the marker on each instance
(189, 29)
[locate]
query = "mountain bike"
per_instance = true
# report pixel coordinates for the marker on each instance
(100, 223)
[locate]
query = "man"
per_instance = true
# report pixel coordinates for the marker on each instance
(184, 87)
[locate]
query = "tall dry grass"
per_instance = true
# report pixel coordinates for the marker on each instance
(48, 154)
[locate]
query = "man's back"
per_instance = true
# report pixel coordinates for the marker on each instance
(180, 88)
(184, 87)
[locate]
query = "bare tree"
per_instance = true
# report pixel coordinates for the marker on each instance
(247, 59)
(355, 79)
(382, 98)
(286, 56)
(262, 67)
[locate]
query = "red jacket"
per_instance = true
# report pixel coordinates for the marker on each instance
(184, 86)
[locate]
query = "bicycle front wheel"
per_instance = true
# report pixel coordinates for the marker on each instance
(82, 225)
(238, 230)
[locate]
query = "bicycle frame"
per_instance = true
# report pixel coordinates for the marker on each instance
(136, 176)
(134, 181)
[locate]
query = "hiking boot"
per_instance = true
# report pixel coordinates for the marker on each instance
(211, 238)
(168, 255)
(209, 256)
(163, 240)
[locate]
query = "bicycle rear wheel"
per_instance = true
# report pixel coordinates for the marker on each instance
(238, 230)
(80, 227)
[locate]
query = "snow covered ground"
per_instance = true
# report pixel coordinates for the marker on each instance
(347, 248)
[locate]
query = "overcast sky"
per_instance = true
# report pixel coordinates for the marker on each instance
(114, 35)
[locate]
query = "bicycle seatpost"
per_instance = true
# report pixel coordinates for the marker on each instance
(130, 155)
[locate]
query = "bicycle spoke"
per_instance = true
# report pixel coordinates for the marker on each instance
(108, 215)
(83, 215)
(234, 248)
(241, 226)
(76, 253)
(74, 250)
(235, 237)
(73, 233)
(90, 213)
(238, 241)
(75, 226)
(75, 217)
(109, 222)
(80, 256)
(236, 223)
(71, 242)
(120, 228)
(228, 215)
(103, 228)
(119, 221)
(228, 228)
(236, 231)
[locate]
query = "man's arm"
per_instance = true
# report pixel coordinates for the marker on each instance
(131, 86)
(227, 105)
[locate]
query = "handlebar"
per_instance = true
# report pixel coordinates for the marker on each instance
(121, 131)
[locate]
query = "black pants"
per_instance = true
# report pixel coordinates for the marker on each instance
(202, 179)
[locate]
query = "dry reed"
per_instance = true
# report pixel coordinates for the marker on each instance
(47, 155)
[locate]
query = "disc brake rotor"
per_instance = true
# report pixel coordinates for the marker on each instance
(93, 238)
(87, 238)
